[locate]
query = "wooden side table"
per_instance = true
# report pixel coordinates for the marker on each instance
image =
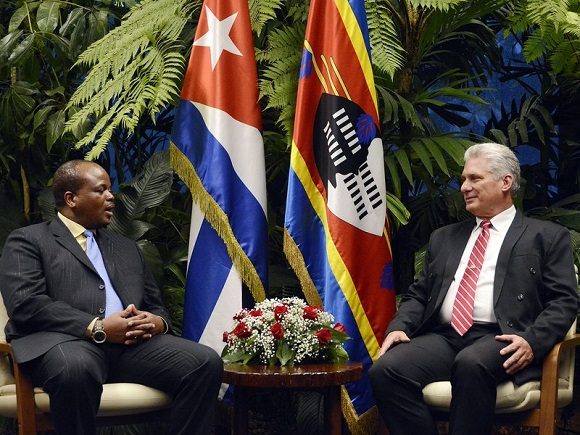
(326, 377)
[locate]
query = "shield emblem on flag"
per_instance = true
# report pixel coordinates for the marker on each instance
(344, 137)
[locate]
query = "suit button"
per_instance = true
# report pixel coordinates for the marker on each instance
(510, 324)
(101, 310)
(102, 286)
(520, 297)
(532, 271)
(429, 299)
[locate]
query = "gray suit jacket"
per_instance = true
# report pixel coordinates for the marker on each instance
(534, 287)
(52, 291)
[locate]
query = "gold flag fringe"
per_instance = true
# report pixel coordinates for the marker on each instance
(218, 220)
(296, 261)
(364, 424)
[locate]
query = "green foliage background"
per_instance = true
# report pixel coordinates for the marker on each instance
(99, 79)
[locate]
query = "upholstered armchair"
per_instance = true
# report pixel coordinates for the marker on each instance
(121, 403)
(533, 404)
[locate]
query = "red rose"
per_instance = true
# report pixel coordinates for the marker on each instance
(255, 313)
(324, 336)
(239, 316)
(310, 313)
(277, 331)
(242, 330)
(340, 327)
(279, 311)
(226, 336)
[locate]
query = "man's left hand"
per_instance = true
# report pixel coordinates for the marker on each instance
(143, 325)
(521, 353)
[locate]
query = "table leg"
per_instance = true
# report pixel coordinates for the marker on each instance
(332, 411)
(240, 411)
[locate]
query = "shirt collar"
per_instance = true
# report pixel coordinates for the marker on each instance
(501, 221)
(75, 228)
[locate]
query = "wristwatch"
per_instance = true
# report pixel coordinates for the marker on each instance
(99, 335)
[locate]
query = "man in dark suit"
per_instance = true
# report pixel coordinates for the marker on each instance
(496, 293)
(82, 314)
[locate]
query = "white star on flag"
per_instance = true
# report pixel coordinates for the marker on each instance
(217, 37)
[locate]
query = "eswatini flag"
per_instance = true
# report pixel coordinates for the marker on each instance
(336, 235)
(217, 149)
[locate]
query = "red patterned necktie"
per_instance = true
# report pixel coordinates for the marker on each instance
(462, 314)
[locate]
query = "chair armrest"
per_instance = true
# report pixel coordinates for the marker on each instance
(549, 385)
(26, 407)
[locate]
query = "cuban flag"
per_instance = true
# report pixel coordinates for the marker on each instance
(336, 229)
(217, 149)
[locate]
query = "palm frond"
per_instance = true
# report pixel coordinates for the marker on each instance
(262, 11)
(280, 74)
(134, 69)
(148, 189)
(387, 53)
(442, 5)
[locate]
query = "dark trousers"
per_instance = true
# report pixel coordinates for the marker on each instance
(473, 365)
(72, 373)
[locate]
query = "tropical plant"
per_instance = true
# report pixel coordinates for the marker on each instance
(39, 42)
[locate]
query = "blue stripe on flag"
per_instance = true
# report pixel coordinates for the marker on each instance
(209, 157)
(310, 238)
(206, 277)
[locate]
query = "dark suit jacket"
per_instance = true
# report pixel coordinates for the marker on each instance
(52, 291)
(534, 287)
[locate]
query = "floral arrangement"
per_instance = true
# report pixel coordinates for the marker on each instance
(284, 331)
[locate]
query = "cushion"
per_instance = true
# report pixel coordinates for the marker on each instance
(117, 399)
(510, 397)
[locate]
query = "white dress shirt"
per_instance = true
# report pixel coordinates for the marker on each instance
(483, 307)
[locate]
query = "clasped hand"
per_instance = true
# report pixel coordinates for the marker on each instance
(131, 326)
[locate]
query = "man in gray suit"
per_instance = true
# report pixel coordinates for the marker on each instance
(85, 310)
(495, 295)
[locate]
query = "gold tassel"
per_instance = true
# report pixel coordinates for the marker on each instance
(364, 424)
(296, 261)
(218, 220)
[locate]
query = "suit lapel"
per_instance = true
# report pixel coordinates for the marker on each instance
(64, 237)
(514, 233)
(454, 249)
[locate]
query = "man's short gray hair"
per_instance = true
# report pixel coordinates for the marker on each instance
(502, 161)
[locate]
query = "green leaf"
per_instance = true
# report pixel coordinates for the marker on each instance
(52, 92)
(284, 353)
(22, 49)
(232, 357)
(71, 21)
(148, 189)
(392, 167)
(436, 153)
(17, 18)
(423, 155)
(54, 128)
(398, 209)
(403, 160)
(337, 354)
(48, 15)
(8, 43)
(77, 36)
(40, 116)
(499, 136)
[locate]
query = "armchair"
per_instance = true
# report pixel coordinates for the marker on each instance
(533, 404)
(121, 403)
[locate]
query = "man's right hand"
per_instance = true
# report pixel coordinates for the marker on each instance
(116, 326)
(394, 337)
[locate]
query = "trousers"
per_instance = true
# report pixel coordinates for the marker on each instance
(73, 373)
(471, 362)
